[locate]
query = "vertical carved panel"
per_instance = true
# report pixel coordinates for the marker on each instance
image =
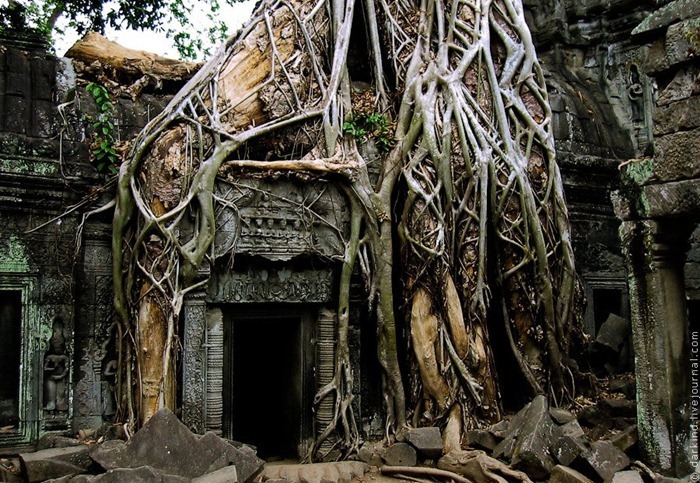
(215, 369)
(194, 363)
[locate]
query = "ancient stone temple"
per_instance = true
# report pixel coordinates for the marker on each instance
(623, 85)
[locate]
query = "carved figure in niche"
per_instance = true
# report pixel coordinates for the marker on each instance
(108, 369)
(635, 92)
(56, 366)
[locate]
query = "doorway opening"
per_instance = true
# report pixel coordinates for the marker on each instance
(264, 381)
(10, 356)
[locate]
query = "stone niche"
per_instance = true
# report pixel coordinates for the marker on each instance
(259, 337)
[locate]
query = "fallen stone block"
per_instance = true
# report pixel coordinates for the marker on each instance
(529, 437)
(626, 440)
(371, 454)
(52, 440)
(561, 416)
(142, 474)
(567, 449)
(573, 429)
(602, 461)
(427, 441)
(613, 334)
(564, 474)
(55, 463)
(167, 445)
(480, 439)
(500, 429)
(629, 476)
(621, 408)
(227, 474)
(400, 454)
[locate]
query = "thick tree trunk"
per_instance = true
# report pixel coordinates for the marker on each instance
(469, 188)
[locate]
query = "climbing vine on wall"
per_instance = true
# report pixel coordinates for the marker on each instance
(102, 150)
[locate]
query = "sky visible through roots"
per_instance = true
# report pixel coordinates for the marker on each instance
(157, 42)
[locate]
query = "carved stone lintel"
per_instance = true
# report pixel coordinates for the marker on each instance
(309, 286)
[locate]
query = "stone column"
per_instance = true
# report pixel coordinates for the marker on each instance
(655, 253)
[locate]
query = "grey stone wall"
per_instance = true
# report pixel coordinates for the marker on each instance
(44, 174)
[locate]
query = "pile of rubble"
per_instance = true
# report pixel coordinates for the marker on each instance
(163, 451)
(537, 444)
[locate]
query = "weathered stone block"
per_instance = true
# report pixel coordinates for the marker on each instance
(400, 454)
(43, 72)
(561, 416)
(677, 116)
(602, 461)
(53, 440)
(529, 437)
(227, 474)
(677, 197)
(427, 441)
(17, 84)
(42, 119)
(629, 476)
(17, 61)
(675, 156)
(168, 446)
(684, 85)
(613, 334)
(564, 474)
(17, 114)
(55, 463)
(567, 449)
(480, 439)
(625, 440)
(573, 429)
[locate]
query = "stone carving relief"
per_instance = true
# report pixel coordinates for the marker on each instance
(282, 285)
(280, 220)
(56, 371)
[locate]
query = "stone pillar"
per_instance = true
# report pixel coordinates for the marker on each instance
(655, 253)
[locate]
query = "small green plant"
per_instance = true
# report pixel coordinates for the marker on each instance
(103, 153)
(371, 126)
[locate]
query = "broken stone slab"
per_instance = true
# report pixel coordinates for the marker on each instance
(55, 463)
(341, 472)
(626, 440)
(228, 474)
(564, 474)
(567, 449)
(427, 441)
(573, 429)
(602, 461)
(628, 387)
(142, 474)
(629, 476)
(167, 445)
(613, 334)
(480, 439)
(561, 416)
(53, 440)
(499, 429)
(400, 454)
(222, 454)
(371, 454)
(621, 408)
(529, 438)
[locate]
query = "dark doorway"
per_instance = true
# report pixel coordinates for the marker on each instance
(264, 383)
(10, 355)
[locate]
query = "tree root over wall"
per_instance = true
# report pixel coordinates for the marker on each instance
(468, 187)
